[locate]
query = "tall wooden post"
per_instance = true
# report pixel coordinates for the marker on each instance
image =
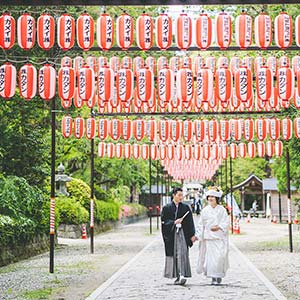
(52, 196)
(288, 187)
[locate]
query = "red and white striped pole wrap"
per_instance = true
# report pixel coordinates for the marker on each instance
(52, 216)
(92, 213)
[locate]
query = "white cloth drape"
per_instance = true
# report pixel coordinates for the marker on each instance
(213, 248)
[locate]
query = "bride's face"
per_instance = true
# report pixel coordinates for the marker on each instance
(212, 201)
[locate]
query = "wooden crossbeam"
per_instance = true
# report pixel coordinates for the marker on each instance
(141, 2)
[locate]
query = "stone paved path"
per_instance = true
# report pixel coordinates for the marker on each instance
(142, 279)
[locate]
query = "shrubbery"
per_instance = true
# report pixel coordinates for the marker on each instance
(22, 211)
(106, 211)
(70, 211)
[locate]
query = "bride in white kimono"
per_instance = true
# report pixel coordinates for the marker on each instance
(212, 232)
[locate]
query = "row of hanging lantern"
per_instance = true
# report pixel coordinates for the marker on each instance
(166, 131)
(198, 152)
(208, 89)
(191, 169)
(28, 30)
(175, 63)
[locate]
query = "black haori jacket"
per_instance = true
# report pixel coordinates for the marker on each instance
(168, 227)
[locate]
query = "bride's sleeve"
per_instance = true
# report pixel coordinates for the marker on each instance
(224, 221)
(200, 228)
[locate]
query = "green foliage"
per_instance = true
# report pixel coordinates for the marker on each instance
(18, 198)
(106, 211)
(80, 191)
(119, 194)
(71, 211)
(23, 211)
(241, 169)
(16, 231)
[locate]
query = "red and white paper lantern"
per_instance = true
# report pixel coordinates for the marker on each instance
(261, 128)
(66, 126)
(138, 129)
(86, 83)
(243, 30)
(90, 128)
(183, 35)
(278, 148)
(283, 27)
(105, 31)
(124, 84)
(270, 149)
(26, 31)
(66, 83)
(124, 31)
(8, 78)
(103, 129)
(224, 130)
(223, 30)
(105, 84)
(145, 84)
(286, 128)
(28, 81)
(185, 85)
(47, 82)
(264, 83)
(45, 31)
(204, 87)
(7, 28)
(78, 127)
(243, 84)
(261, 149)
(285, 83)
(175, 130)
(223, 87)
(164, 130)
(165, 86)
(251, 150)
(274, 128)
(144, 31)
(115, 129)
(163, 31)
(297, 127)
(65, 32)
(242, 149)
(263, 30)
(85, 31)
(203, 31)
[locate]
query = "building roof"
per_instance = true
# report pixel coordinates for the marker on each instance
(247, 181)
(270, 184)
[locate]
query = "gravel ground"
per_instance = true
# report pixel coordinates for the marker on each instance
(78, 273)
(267, 246)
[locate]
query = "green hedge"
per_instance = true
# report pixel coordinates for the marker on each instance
(106, 211)
(80, 191)
(23, 211)
(71, 212)
(16, 232)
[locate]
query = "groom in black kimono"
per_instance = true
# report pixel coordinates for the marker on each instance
(178, 232)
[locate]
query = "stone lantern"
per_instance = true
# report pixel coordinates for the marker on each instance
(61, 179)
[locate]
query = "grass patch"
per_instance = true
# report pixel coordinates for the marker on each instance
(38, 294)
(280, 244)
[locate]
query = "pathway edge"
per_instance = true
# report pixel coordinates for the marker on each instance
(272, 288)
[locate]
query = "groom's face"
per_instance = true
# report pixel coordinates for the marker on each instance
(178, 196)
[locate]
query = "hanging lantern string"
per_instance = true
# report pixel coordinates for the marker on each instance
(25, 59)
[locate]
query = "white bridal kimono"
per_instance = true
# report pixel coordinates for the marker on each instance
(213, 256)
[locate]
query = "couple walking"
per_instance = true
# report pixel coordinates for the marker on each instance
(179, 234)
